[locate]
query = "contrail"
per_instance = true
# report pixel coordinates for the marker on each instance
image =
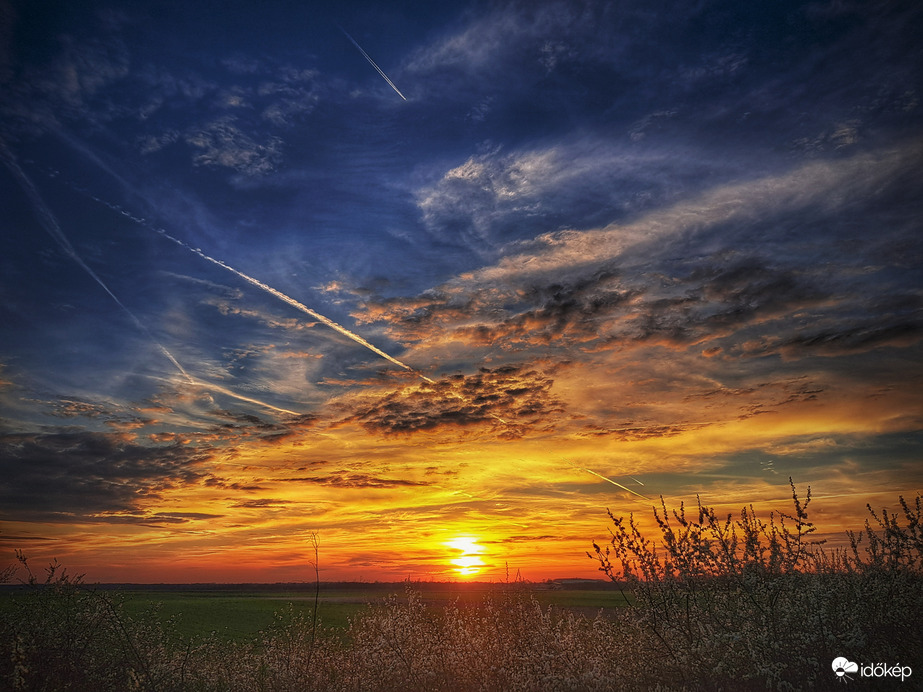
(51, 225)
(241, 397)
(259, 284)
(297, 305)
(372, 62)
(609, 480)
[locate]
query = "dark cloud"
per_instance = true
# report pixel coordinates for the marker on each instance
(246, 421)
(216, 482)
(855, 338)
(260, 504)
(781, 391)
(633, 432)
(763, 397)
(185, 516)
(848, 325)
(144, 518)
(813, 302)
(714, 301)
(247, 426)
(347, 479)
(751, 288)
(70, 476)
(437, 471)
(113, 417)
(670, 304)
(564, 313)
(508, 401)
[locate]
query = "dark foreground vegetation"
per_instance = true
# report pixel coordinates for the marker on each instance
(715, 603)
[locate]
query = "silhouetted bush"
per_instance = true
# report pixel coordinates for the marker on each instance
(731, 603)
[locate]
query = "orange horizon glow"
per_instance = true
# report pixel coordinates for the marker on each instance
(268, 552)
(460, 506)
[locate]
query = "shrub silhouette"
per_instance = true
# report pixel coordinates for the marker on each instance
(65, 635)
(725, 602)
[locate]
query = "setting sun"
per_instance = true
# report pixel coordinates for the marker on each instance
(468, 562)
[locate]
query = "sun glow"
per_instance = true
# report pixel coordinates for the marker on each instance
(468, 562)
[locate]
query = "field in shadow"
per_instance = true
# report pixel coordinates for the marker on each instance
(239, 612)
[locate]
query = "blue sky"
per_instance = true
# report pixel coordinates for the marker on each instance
(672, 244)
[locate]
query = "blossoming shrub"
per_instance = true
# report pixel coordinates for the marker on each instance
(63, 635)
(725, 602)
(507, 642)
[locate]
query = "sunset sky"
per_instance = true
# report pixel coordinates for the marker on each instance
(610, 250)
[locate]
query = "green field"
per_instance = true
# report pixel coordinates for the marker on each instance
(241, 613)
(235, 616)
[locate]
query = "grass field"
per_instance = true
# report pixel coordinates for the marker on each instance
(239, 613)
(234, 616)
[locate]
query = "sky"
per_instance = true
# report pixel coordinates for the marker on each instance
(438, 284)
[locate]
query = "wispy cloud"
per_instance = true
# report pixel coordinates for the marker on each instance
(51, 225)
(486, 201)
(222, 143)
(261, 503)
(539, 34)
(636, 281)
(348, 479)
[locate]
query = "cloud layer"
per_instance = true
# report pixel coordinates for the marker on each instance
(667, 244)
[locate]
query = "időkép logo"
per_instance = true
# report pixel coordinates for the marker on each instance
(846, 670)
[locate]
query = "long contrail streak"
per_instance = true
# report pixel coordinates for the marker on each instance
(223, 390)
(372, 62)
(297, 305)
(609, 480)
(58, 235)
(51, 225)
